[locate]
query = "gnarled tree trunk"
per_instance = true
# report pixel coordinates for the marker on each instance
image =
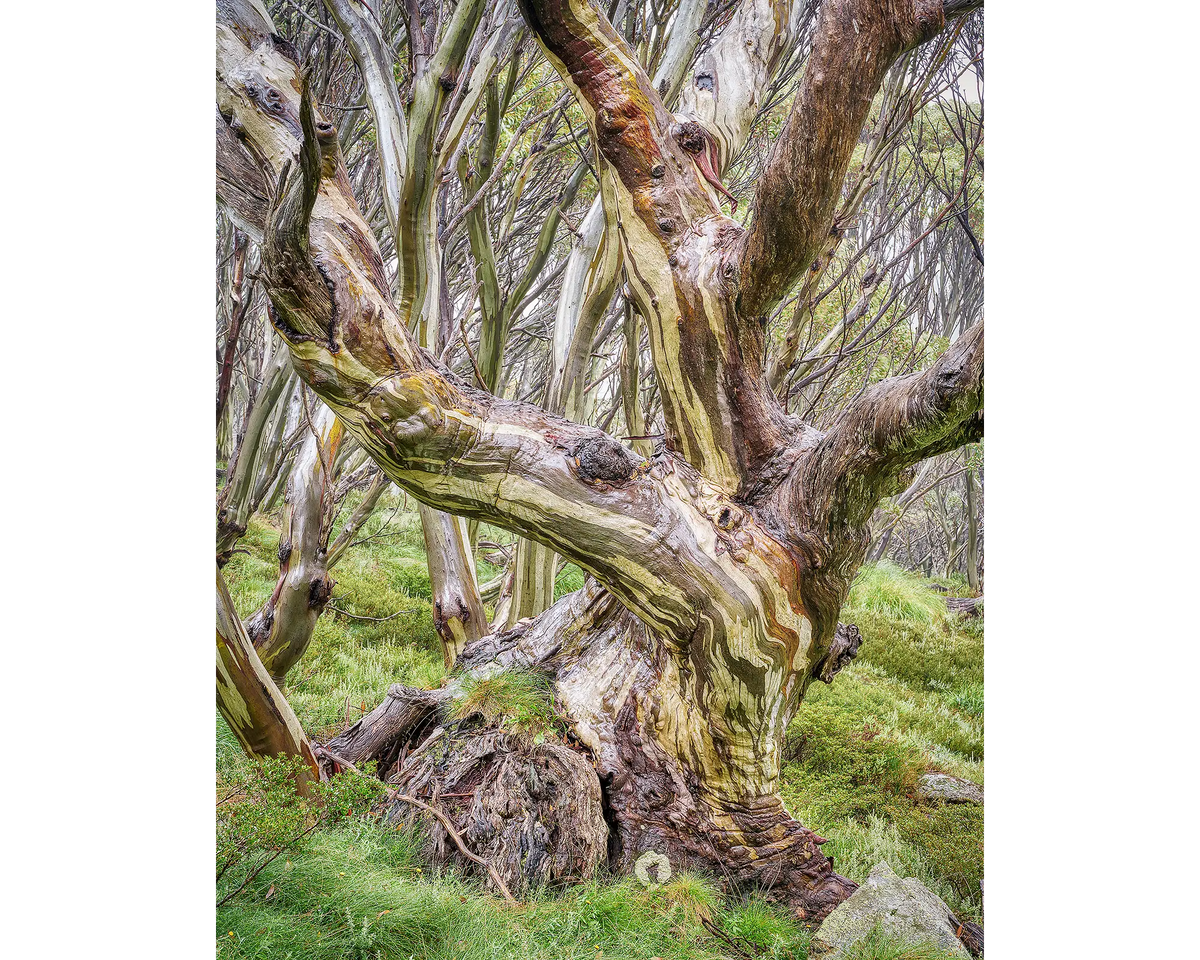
(716, 104)
(720, 564)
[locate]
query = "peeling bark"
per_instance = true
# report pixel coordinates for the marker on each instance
(844, 648)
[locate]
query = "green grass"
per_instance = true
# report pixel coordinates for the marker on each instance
(569, 579)
(361, 892)
(887, 589)
(513, 699)
(911, 702)
(351, 662)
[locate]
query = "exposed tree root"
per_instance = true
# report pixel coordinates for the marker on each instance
(533, 811)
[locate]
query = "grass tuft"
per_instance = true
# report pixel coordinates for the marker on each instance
(514, 699)
(887, 589)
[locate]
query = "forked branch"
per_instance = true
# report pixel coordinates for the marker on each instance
(895, 424)
(856, 43)
(570, 487)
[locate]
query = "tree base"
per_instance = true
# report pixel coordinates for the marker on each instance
(551, 813)
(531, 810)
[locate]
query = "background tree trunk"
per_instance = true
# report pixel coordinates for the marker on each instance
(972, 533)
(250, 701)
(410, 188)
(257, 459)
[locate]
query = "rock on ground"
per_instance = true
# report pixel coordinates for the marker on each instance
(904, 908)
(942, 786)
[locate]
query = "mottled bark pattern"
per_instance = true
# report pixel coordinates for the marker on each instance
(282, 628)
(670, 781)
(249, 700)
(720, 564)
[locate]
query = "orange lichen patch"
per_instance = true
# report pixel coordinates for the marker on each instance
(609, 79)
(333, 441)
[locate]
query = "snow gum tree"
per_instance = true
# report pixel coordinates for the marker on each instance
(718, 564)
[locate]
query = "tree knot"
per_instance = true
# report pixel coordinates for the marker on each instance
(699, 141)
(601, 459)
(320, 589)
(691, 136)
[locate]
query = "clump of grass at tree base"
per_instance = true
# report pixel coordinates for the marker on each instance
(516, 700)
(913, 700)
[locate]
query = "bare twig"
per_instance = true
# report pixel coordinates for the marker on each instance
(355, 616)
(445, 821)
(471, 356)
(726, 938)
